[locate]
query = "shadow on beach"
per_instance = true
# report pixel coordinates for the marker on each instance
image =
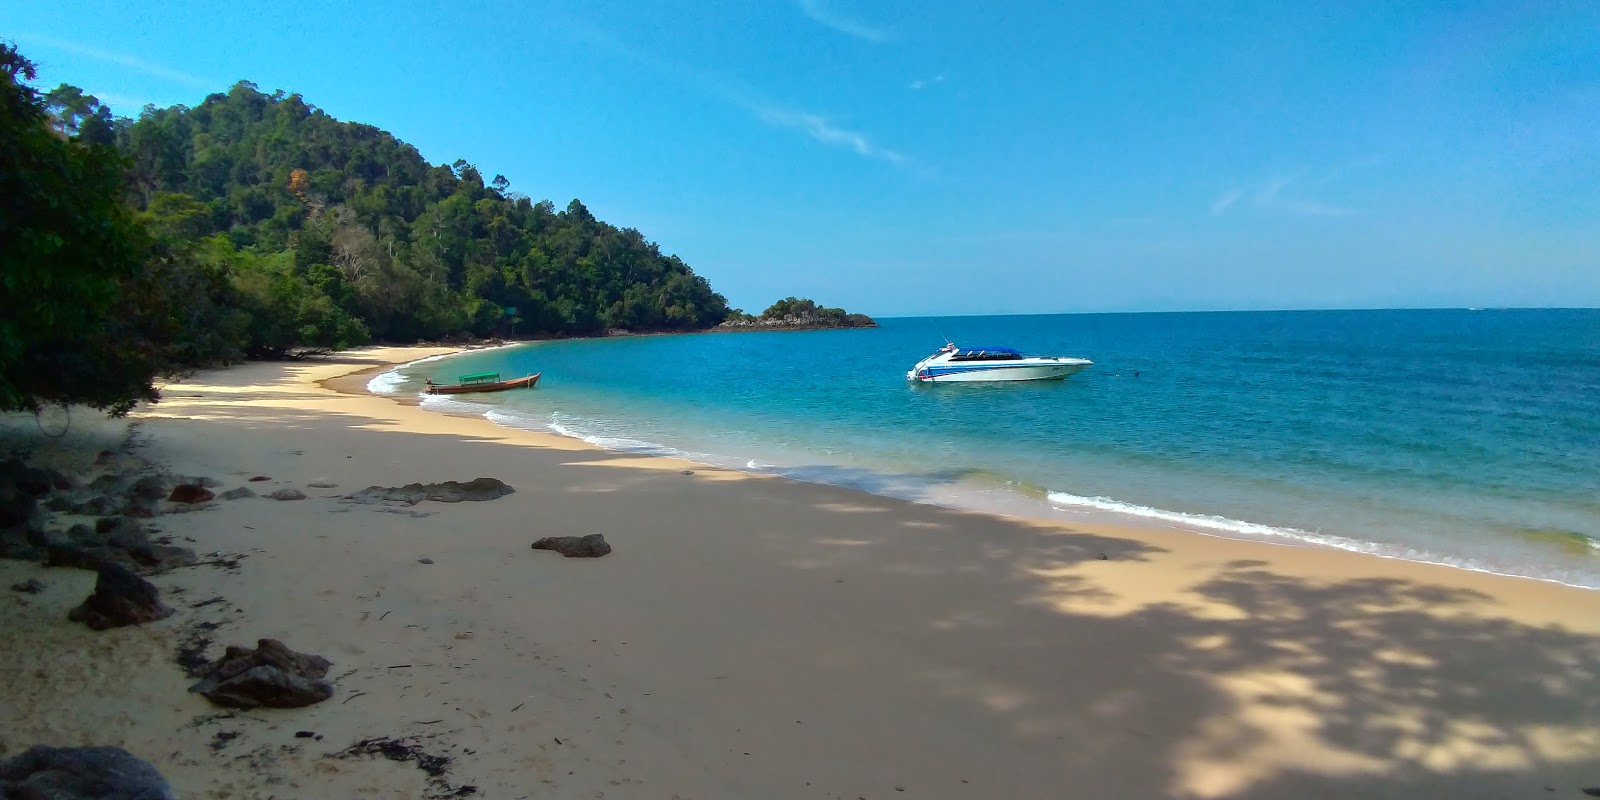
(1064, 655)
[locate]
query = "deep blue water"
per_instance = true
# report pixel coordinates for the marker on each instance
(1462, 437)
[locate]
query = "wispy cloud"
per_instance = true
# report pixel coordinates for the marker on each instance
(919, 84)
(1226, 201)
(125, 60)
(819, 12)
(736, 93)
(1290, 192)
(820, 129)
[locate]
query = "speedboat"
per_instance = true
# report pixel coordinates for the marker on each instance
(953, 363)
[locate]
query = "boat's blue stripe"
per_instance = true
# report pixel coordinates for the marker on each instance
(956, 370)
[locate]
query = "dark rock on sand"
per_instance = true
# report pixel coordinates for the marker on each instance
(16, 505)
(259, 478)
(113, 540)
(150, 487)
(477, 489)
(120, 598)
(322, 485)
(592, 546)
(288, 494)
(271, 675)
(18, 542)
(32, 481)
(237, 494)
(81, 773)
(29, 586)
(190, 493)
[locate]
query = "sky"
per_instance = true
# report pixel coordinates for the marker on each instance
(938, 157)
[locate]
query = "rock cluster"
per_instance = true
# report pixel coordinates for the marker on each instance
(271, 675)
(448, 492)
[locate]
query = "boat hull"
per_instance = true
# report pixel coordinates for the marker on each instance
(518, 383)
(957, 373)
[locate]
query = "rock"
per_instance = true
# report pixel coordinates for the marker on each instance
(190, 493)
(29, 586)
(688, 472)
(259, 478)
(271, 675)
(81, 773)
(592, 546)
(322, 485)
(1592, 791)
(141, 507)
(31, 481)
(120, 598)
(150, 487)
(109, 482)
(114, 540)
(477, 489)
(238, 494)
(288, 494)
(16, 505)
(123, 532)
(18, 542)
(424, 561)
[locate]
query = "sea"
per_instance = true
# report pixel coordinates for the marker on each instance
(1462, 437)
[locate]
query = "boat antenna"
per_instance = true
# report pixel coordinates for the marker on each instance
(937, 331)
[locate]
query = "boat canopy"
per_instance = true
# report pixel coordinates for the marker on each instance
(993, 351)
(480, 377)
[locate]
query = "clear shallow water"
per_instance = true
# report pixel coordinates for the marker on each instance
(1462, 437)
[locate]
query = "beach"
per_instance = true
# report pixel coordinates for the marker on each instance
(756, 637)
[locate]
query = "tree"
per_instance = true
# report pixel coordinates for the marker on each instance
(77, 325)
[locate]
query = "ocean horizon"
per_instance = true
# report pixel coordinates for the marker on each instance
(1463, 437)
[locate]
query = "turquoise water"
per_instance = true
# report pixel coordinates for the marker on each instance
(1462, 437)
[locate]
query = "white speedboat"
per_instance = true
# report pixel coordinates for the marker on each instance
(970, 364)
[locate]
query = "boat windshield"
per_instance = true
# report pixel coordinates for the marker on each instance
(986, 354)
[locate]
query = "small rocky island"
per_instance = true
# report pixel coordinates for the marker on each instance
(795, 314)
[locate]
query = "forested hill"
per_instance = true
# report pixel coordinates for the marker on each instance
(256, 225)
(408, 249)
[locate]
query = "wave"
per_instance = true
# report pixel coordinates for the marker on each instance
(1206, 521)
(968, 490)
(595, 432)
(1203, 523)
(391, 381)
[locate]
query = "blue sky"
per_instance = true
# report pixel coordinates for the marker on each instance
(963, 157)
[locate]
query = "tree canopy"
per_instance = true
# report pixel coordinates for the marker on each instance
(75, 299)
(406, 249)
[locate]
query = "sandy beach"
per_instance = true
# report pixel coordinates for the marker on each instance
(753, 637)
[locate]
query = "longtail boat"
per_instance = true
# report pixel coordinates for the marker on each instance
(482, 382)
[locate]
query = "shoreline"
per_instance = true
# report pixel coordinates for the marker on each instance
(1277, 536)
(774, 638)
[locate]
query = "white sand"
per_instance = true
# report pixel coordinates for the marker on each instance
(753, 637)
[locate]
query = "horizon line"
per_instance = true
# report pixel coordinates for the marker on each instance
(1239, 311)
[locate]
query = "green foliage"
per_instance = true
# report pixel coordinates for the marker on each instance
(76, 324)
(801, 312)
(410, 250)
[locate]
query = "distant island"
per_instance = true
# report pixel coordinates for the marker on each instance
(255, 225)
(793, 313)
